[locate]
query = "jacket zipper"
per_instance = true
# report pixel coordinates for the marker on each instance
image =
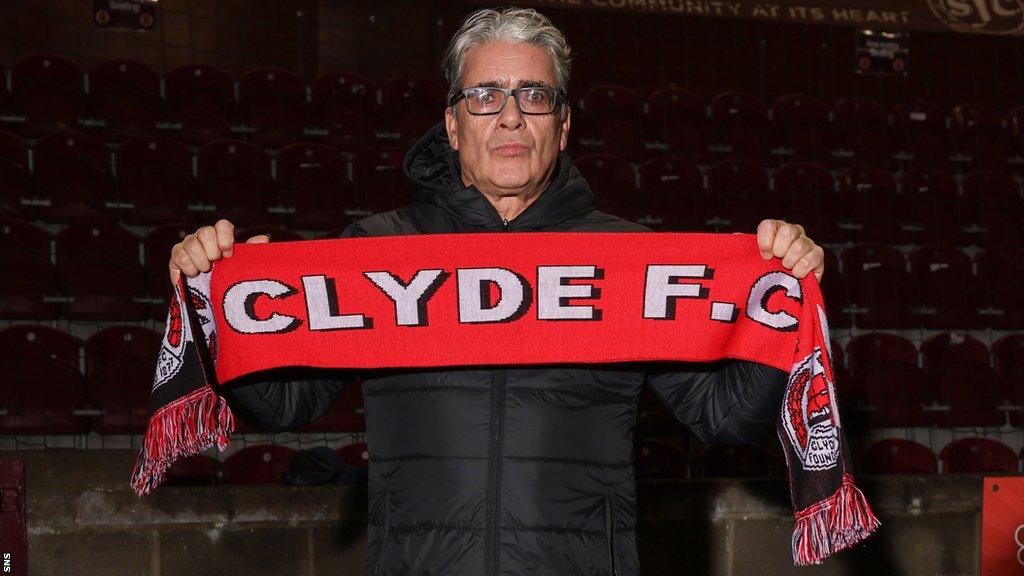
(493, 539)
(609, 530)
(387, 524)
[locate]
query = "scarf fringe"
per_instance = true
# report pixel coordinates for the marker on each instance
(836, 523)
(186, 427)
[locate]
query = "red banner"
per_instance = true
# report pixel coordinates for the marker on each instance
(1002, 527)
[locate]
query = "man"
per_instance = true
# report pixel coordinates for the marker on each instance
(510, 470)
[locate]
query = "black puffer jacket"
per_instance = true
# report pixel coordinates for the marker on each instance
(512, 471)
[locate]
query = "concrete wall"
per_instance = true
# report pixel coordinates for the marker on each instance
(84, 519)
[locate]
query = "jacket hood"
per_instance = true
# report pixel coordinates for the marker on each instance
(434, 176)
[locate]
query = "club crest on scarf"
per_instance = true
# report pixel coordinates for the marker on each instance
(810, 415)
(177, 334)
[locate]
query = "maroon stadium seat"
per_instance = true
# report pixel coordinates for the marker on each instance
(119, 364)
(1001, 286)
(920, 133)
(196, 470)
(26, 249)
(615, 116)
(38, 342)
(234, 178)
(880, 287)
(993, 208)
(613, 181)
(895, 395)
(738, 196)
(861, 129)
(867, 353)
(154, 181)
(15, 177)
(124, 99)
(870, 203)
(24, 238)
(411, 105)
(732, 461)
(315, 189)
(950, 347)
(273, 101)
(970, 390)
(978, 456)
(378, 178)
(930, 207)
(50, 91)
(201, 100)
(810, 192)
(344, 104)
(678, 119)
(1009, 361)
(977, 133)
(899, 456)
(740, 123)
(73, 179)
(355, 454)
(673, 191)
(949, 298)
(41, 396)
(99, 269)
(800, 126)
(836, 291)
(261, 464)
(660, 459)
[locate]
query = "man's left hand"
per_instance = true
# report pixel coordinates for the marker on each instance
(788, 241)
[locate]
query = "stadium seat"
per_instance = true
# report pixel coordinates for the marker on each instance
(273, 101)
(880, 288)
(613, 181)
(947, 286)
(870, 203)
(234, 182)
(49, 90)
(41, 396)
(260, 464)
(355, 454)
(740, 122)
(26, 248)
(977, 134)
(899, 456)
(836, 291)
(978, 456)
(920, 134)
(196, 470)
(615, 114)
(660, 459)
(930, 209)
(993, 208)
(895, 395)
(124, 100)
(38, 342)
(946, 348)
(968, 392)
(673, 191)
(868, 351)
(315, 189)
(99, 270)
(15, 177)
(732, 461)
(24, 238)
(119, 365)
(73, 179)
(201, 102)
(1001, 286)
(154, 181)
(738, 196)
(344, 105)
(677, 120)
(1008, 352)
(378, 178)
(861, 132)
(410, 106)
(810, 193)
(800, 129)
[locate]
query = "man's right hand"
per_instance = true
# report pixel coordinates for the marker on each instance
(196, 252)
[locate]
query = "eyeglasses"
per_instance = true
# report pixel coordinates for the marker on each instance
(483, 100)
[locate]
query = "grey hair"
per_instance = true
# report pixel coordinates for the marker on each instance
(516, 25)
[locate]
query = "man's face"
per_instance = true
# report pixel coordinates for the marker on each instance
(508, 153)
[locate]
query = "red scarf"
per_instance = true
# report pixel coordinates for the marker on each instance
(507, 299)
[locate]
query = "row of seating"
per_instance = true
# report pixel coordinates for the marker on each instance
(151, 181)
(48, 390)
(260, 464)
(120, 99)
(971, 455)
